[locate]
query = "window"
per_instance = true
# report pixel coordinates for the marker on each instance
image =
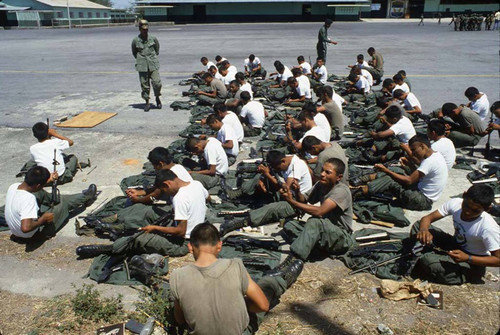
(105, 14)
(98, 15)
(80, 15)
(59, 14)
(71, 14)
(89, 15)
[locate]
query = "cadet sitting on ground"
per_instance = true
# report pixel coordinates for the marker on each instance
(215, 158)
(319, 74)
(252, 115)
(24, 202)
(376, 65)
(359, 84)
(207, 64)
(418, 190)
(360, 62)
(233, 101)
(253, 67)
(226, 136)
(218, 296)
(405, 79)
(411, 104)
(475, 245)
(468, 128)
(229, 118)
(218, 94)
(332, 111)
(304, 66)
(306, 121)
(244, 85)
(42, 153)
(283, 73)
(189, 206)
(478, 102)
(299, 95)
(400, 83)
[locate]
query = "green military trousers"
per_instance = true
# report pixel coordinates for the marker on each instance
(71, 163)
(139, 215)
(144, 181)
(272, 212)
(461, 140)
(441, 268)
(145, 78)
(321, 50)
(250, 131)
(205, 100)
(317, 233)
(207, 181)
(411, 198)
(273, 288)
(151, 243)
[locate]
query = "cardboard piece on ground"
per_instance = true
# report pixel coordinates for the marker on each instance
(86, 120)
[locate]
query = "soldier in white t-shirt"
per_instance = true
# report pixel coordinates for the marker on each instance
(411, 104)
(230, 118)
(215, 157)
(305, 121)
(252, 115)
(254, 68)
(359, 84)
(319, 74)
(206, 64)
(226, 136)
(299, 94)
(304, 66)
(474, 246)
(478, 102)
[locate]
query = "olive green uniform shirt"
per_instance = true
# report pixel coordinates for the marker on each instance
(323, 36)
(379, 60)
(467, 118)
(146, 53)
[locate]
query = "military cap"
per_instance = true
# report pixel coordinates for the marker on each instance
(143, 24)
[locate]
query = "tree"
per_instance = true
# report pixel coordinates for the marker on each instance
(107, 3)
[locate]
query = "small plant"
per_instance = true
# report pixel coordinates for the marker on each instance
(89, 305)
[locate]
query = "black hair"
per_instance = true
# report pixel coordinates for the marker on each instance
(393, 112)
(309, 107)
(371, 49)
(276, 63)
(360, 56)
(206, 75)
(448, 108)
(212, 118)
(224, 64)
(203, 59)
(245, 96)
(338, 165)
(328, 90)
(387, 82)
(274, 157)
(480, 194)
(304, 115)
(218, 58)
(239, 76)
(398, 93)
(300, 59)
(328, 22)
(164, 175)
(437, 126)
(420, 138)
(191, 143)
(220, 107)
(40, 131)
(204, 234)
(291, 80)
(397, 77)
(471, 92)
(402, 72)
(235, 83)
(320, 58)
(495, 106)
(352, 77)
(309, 141)
(280, 67)
(37, 175)
(159, 154)
(296, 72)
(251, 57)
(212, 67)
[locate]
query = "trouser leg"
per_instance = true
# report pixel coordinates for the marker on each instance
(273, 288)
(70, 171)
(385, 184)
(460, 139)
(231, 159)
(204, 100)
(415, 200)
(145, 88)
(61, 212)
(144, 243)
(320, 233)
(139, 215)
(207, 181)
(271, 213)
(137, 180)
(248, 186)
(156, 81)
(250, 131)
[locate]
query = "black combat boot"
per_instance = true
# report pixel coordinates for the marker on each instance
(91, 251)
(230, 224)
(158, 103)
(141, 270)
(277, 271)
(289, 270)
(147, 106)
(90, 193)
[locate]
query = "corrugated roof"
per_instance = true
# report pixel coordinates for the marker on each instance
(73, 3)
(5, 7)
(178, 2)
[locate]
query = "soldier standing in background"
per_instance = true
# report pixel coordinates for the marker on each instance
(323, 40)
(145, 49)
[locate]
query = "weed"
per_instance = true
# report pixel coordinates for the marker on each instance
(88, 304)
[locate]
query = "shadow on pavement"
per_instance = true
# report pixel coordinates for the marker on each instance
(311, 316)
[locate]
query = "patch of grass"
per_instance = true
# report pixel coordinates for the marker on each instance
(88, 304)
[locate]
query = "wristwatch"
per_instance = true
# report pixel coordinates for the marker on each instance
(470, 259)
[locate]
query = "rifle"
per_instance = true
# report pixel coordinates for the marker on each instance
(417, 249)
(55, 192)
(224, 195)
(487, 149)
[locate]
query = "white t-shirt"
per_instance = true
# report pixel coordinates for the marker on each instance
(252, 65)
(405, 88)
(20, 205)
(254, 112)
(362, 65)
(228, 78)
(446, 148)
(181, 173)
(215, 155)
(338, 100)
(298, 170)
(478, 237)
(481, 106)
(304, 87)
(323, 74)
(286, 74)
(363, 85)
(436, 175)
(219, 76)
(247, 88)
(43, 154)
(411, 102)
(306, 68)
(316, 132)
(322, 122)
(190, 204)
(210, 64)
(226, 133)
(233, 120)
(403, 129)
(368, 76)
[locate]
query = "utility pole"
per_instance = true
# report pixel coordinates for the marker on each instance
(69, 17)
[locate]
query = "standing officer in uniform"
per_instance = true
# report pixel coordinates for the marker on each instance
(323, 39)
(145, 49)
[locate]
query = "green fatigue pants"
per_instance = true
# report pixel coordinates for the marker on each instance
(441, 268)
(151, 243)
(137, 180)
(410, 198)
(271, 213)
(204, 100)
(71, 163)
(154, 77)
(67, 203)
(207, 181)
(273, 288)
(376, 74)
(259, 73)
(461, 140)
(321, 50)
(317, 233)
(250, 131)
(139, 215)
(231, 160)
(315, 84)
